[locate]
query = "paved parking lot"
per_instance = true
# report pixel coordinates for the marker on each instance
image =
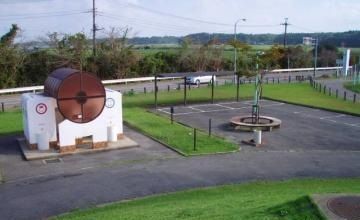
(302, 128)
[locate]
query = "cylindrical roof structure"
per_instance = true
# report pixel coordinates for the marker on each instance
(80, 96)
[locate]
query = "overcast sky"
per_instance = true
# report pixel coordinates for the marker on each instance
(179, 17)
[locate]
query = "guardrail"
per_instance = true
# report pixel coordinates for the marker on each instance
(145, 79)
(305, 69)
(105, 82)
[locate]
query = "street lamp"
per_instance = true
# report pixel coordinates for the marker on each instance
(235, 49)
(312, 42)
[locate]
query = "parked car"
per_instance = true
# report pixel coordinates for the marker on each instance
(199, 79)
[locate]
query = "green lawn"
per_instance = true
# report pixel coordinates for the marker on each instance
(176, 135)
(10, 122)
(196, 95)
(303, 94)
(259, 200)
(352, 87)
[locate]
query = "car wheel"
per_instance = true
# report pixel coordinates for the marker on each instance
(197, 83)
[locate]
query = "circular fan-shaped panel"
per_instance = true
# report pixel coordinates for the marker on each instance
(80, 96)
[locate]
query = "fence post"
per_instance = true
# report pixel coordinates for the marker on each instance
(168, 88)
(156, 91)
(319, 87)
(278, 80)
(209, 127)
(354, 98)
(237, 87)
(172, 114)
(184, 90)
(194, 139)
(289, 79)
(145, 90)
(324, 89)
(344, 95)
(337, 93)
(329, 91)
(212, 89)
(267, 80)
(2, 107)
(273, 80)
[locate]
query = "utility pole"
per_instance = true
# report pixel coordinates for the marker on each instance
(94, 29)
(285, 42)
(235, 49)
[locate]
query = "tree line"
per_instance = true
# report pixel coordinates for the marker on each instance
(340, 39)
(117, 58)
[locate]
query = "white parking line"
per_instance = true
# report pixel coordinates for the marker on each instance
(336, 116)
(224, 106)
(353, 125)
(219, 110)
(196, 109)
(164, 111)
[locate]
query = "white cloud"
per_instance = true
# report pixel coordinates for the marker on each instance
(305, 15)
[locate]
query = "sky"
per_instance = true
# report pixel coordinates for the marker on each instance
(36, 18)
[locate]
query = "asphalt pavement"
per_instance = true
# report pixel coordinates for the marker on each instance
(35, 190)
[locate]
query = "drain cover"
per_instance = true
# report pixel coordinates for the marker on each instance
(53, 160)
(347, 207)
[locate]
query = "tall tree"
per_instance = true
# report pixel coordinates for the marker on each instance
(11, 59)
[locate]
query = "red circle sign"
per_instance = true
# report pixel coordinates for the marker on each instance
(41, 108)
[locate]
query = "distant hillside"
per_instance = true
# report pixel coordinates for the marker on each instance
(346, 39)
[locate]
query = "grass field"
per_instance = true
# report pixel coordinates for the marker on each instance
(10, 122)
(352, 87)
(304, 94)
(259, 200)
(176, 135)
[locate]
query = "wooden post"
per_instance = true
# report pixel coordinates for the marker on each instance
(212, 89)
(156, 91)
(209, 127)
(172, 114)
(194, 139)
(184, 90)
(237, 87)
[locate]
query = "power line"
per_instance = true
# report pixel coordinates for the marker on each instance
(41, 16)
(144, 21)
(175, 16)
(42, 13)
(152, 25)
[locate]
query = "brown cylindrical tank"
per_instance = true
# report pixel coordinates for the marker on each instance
(80, 96)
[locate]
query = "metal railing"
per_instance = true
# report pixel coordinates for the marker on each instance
(145, 79)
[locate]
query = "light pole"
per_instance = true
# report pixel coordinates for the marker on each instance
(313, 42)
(235, 49)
